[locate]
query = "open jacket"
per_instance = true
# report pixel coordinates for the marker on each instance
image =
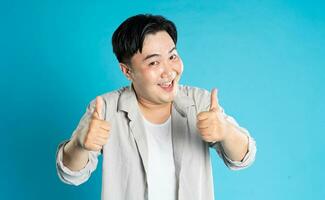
(125, 156)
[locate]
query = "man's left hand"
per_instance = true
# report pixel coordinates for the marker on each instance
(212, 124)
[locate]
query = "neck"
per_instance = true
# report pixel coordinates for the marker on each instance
(155, 113)
(153, 107)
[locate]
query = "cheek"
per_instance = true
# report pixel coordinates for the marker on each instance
(149, 76)
(179, 66)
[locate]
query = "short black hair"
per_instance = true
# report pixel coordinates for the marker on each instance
(128, 38)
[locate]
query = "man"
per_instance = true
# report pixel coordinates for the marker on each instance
(154, 135)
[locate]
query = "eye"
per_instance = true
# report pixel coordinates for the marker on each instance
(154, 63)
(173, 57)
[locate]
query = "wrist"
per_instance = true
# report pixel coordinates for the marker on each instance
(230, 132)
(73, 147)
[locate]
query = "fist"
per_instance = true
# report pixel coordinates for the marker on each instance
(211, 124)
(94, 136)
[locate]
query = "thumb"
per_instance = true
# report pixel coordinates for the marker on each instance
(99, 106)
(214, 105)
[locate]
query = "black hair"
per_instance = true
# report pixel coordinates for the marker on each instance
(128, 38)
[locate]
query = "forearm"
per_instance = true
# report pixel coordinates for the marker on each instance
(235, 144)
(74, 156)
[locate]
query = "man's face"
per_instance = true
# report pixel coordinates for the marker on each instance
(156, 71)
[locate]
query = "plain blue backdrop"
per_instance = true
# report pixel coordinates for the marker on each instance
(265, 57)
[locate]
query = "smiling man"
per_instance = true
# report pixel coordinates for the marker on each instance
(154, 135)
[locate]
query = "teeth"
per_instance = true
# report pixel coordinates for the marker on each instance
(166, 84)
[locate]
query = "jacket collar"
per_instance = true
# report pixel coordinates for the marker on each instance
(129, 104)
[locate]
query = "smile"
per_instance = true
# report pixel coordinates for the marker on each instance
(168, 87)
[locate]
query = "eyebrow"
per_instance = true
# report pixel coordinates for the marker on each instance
(155, 54)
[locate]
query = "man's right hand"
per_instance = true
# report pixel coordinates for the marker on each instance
(94, 136)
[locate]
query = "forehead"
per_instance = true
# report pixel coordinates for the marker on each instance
(159, 43)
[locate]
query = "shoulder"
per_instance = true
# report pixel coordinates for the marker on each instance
(193, 92)
(113, 96)
(111, 100)
(199, 97)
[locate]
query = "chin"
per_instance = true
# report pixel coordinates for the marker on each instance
(170, 97)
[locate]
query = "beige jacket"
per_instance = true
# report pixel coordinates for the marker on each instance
(125, 156)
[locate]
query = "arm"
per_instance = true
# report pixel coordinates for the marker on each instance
(75, 177)
(233, 143)
(77, 158)
(74, 156)
(249, 155)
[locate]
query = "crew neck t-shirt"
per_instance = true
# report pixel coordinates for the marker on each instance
(161, 168)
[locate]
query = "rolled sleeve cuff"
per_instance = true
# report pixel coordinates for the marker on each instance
(74, 177)
(246, 161)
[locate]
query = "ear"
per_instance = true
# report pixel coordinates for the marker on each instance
(126, 71)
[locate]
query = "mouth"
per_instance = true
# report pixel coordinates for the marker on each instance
(168, 86)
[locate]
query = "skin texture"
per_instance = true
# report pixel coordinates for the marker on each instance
(146, 74)
(158, 63)
(213, 127)
(90, 138)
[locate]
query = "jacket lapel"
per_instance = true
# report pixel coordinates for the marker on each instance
(128, 103)
(180, 129)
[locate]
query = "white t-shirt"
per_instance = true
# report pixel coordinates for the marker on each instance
(161, 167)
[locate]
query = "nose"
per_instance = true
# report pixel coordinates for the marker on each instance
(167, 74)
(167, 71)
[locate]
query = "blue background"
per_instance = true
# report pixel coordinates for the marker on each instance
(266, 58)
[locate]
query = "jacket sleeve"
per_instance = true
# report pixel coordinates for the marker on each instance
(77, 177)
(250, 154)
(202, 99)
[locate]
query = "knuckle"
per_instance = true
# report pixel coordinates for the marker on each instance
(87, 140)
(92, 124)
(106, 134)
(90, 133)
(88, 146)
(94, 148)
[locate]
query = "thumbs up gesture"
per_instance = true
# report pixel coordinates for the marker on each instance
(211, 124)
(97, 134)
